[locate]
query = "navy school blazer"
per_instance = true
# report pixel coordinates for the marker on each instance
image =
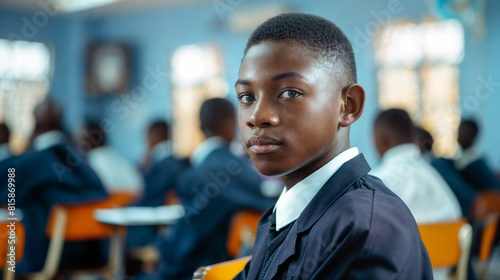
(44, 178)
(354, 228)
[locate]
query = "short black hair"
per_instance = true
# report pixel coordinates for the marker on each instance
(161, 127)
(214, 110)
(399, 122)
(95, 133)
(423, 138)
(467, 133)
(4, 133)
(471, 124)
(316, 33)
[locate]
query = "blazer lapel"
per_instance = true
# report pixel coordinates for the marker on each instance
(285, 251)
(260, 248)
(333, 189)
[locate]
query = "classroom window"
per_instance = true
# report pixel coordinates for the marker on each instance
(418, 72)
(24, 82)
(197, 75)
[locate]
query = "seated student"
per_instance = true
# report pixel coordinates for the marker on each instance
(4, 142)
(469, 162)
(423, 139)
(407, 174)
(298, 97)
(464, 192)
(160, 179)
(52, 173)
(217, 186)
(115, 172)
(159, 145)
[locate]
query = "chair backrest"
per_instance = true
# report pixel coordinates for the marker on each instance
(485, 205)
(81, 224)
(6, 243)
(487, 238)
(448, 244)
(221, 271)
(242, 231)
(172, 198)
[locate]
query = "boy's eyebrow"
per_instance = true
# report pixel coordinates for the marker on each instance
(242, 82)
(275, 78)
(288, 74)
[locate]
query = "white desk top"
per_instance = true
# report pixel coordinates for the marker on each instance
(140, 216)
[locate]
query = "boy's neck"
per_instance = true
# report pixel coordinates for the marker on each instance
(291, 179)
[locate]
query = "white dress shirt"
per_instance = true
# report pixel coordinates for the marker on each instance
(418, 184)
(5, 151)
(115, 173)
(48, 139)
(205, 149)
(161, 151)
(466, 157)
(291, 203)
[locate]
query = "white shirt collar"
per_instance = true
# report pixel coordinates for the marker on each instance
(48, 139)
(466, 157)
(291, 203)
(5, 151)
(403, 152)
(204, 149)
(161, 150)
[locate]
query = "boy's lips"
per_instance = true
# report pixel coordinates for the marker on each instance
(263, 144)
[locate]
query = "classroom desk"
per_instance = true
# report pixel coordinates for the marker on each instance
(121, 218)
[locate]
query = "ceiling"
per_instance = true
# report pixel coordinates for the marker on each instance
(119, 7)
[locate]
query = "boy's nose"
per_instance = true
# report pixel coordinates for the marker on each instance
(262, 116)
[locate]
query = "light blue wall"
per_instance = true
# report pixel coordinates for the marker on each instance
(154, 35)
(480, 99)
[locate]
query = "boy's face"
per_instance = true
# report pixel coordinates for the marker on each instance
(289, 110)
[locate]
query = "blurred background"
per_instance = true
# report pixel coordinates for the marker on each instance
(128, 63)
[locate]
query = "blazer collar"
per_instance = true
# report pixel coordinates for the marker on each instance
(334, 188)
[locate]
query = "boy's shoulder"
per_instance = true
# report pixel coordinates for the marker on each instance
(367, 203)
(367, 223)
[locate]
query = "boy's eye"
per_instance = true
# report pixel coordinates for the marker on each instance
(290, 94)
(245, 98)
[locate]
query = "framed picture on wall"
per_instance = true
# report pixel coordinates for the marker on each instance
(108, 69)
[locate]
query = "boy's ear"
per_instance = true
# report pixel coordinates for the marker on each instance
(353, 99)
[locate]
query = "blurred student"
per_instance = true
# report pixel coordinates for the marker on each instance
(407, 174)
(114, 171)
(464, 192)
(423, 139)
(471, 165)
(298, 98)
(53, 172)
(159, 144)
(5, 152)
(217, 186)
(160, 181)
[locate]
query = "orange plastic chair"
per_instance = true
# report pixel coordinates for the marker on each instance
(448, 244)
(4, 241)
(487, 240)
(242, 231)
(6, 244)
(485, 205)
(221, 271)
(54, 251)
(172, 198)
(79, 224)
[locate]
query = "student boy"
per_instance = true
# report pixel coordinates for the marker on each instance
(298, 96)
